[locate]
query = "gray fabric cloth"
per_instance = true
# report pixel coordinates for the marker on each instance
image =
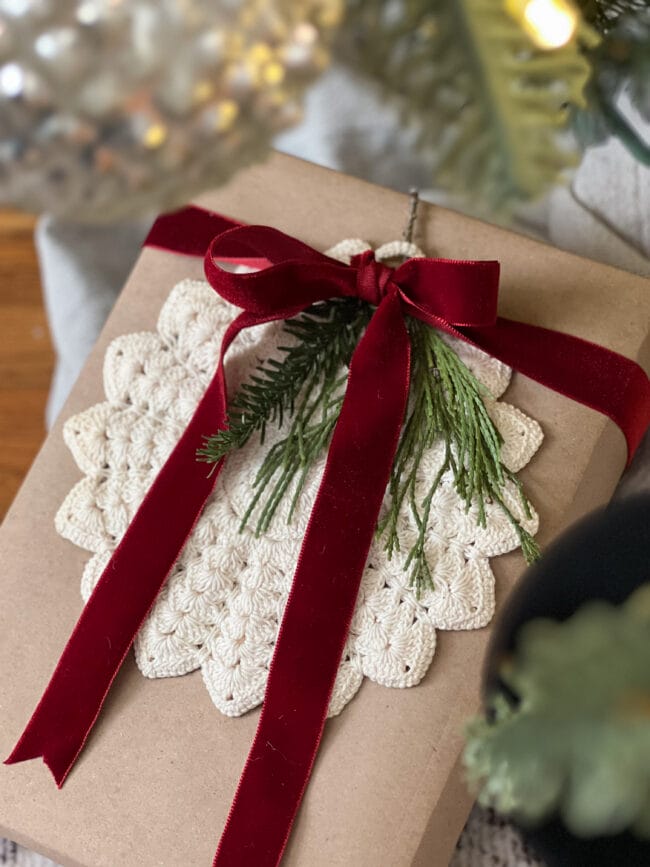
(12, 855)
(605, 213)
(348, 127)
(83, 269)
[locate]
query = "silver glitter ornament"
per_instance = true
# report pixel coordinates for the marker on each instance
(110, 108)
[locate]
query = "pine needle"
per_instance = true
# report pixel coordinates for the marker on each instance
(326, 337)
(446, 403)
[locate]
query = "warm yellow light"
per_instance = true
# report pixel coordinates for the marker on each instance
(202, 91)
(227, 111)
(273, 73)
(550, 23)
(155, 135)
(259, 54)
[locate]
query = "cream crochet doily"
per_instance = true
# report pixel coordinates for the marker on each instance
(221, 606)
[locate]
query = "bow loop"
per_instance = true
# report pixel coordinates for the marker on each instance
(442, 292)
(292, 275)
(373, 277)
(458, 293)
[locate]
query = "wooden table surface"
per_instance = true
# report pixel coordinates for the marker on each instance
(26, 356)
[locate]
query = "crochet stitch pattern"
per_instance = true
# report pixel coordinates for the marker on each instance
(221, 606)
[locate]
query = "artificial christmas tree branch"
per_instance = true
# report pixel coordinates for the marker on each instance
(487, 102)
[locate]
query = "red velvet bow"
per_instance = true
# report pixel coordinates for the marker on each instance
(457, 297)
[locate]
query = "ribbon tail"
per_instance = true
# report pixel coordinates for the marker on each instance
(590, 374)
(123, 596)
(321, 603)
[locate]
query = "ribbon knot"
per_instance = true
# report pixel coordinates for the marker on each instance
(373, 277)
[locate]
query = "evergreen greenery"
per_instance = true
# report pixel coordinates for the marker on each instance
(447, 403)
(487, 105)
(307, 385)
(620, 61)
(569, 733)
(497, 118)
(605, 14)
(325, 338)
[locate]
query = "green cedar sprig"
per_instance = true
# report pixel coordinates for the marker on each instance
(446, 402)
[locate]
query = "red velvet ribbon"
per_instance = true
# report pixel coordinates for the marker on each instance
(457, 297)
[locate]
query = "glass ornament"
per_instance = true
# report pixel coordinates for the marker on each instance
(113, 108)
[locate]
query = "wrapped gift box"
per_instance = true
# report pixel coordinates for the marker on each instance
(155, 781)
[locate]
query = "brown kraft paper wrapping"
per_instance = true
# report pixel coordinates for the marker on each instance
(154, 784)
